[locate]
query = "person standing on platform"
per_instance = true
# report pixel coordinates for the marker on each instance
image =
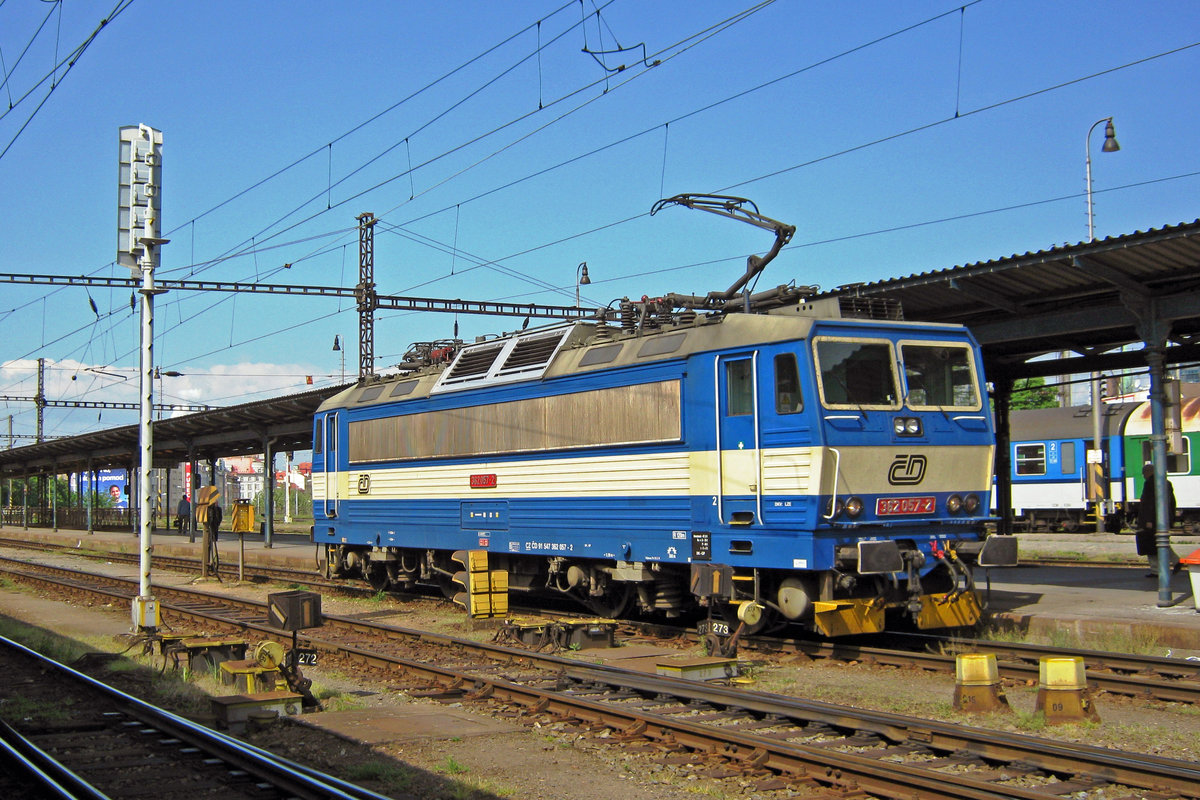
(1147, 523)
(208, 514)
(183, 514)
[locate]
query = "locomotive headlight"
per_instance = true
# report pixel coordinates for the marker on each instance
(971, 503)
(898, 425)
(954, 504)
(912, 426)
(854, 507)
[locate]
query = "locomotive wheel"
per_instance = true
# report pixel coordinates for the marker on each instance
(376, 575)
(448, 586)
(613, 603)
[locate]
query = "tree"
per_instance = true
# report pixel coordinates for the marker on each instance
(301, 501)
(1033, 393)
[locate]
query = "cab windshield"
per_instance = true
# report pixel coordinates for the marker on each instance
(857, 373)
(938, 375)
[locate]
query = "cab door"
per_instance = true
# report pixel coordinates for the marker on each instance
(739, 461)
(331, 450)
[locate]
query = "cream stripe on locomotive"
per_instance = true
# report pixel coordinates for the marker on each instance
(784, 471)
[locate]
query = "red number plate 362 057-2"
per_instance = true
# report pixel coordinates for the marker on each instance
(897, 506)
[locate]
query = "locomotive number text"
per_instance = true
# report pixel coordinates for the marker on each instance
(896, 506)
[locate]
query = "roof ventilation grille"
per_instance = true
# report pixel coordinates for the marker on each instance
(859, 307)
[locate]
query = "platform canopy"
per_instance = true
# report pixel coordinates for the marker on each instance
(218, 433)
(1093, 300)
(1090, 299)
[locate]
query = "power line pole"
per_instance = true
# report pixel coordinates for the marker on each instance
(40, 399)
(364, 292)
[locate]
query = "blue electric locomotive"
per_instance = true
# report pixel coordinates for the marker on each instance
(816, 465)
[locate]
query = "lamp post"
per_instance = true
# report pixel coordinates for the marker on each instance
(1095, 463)
(1110, 146)
(337, 348)
(160, 374)
(581, 279)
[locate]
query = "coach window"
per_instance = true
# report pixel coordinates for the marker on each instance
(1177, 463)
(787, 385)
(319, 435)
(1066, 458)
(1031, 459)
(739, 387)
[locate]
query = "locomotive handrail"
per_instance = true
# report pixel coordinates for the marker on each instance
(717, 423)
(758, 477)
(837, 468)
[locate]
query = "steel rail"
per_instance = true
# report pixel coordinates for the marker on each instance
(41, 772)
(1117, 673)
(1146, 771)
(280, 773)
(1166, 679)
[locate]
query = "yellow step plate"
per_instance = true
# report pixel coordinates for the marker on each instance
(848, 617)
(949, 610)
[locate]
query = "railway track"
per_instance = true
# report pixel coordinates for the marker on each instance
(230, 571)
(69, 735)
(770, 740)
(1171, 680)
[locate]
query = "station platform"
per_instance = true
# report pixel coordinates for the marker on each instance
(1097, 607)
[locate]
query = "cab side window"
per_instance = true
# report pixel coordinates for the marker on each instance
(787, 385)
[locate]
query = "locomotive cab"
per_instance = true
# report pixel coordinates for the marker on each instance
(893, 482)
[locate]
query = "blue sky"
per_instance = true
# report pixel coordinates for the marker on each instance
(499, 153)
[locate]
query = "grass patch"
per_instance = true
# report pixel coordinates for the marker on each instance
(391, 775)
(1030, 721)
(451, 766)
(334, 699)
(1138, 641)
(16, 709)
(44, 642)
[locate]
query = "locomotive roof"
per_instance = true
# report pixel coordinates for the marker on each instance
(586, 346)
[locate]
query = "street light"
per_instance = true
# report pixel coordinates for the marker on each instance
(581, 279)
(160, 373)
(1102, 501)
(1110, 146)
(337, 348)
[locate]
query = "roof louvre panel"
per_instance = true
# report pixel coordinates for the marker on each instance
(522, 356)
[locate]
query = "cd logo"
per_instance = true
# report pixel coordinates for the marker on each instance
(907, 470)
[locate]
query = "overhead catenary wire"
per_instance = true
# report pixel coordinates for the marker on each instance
(69, 61)
(806, 243)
